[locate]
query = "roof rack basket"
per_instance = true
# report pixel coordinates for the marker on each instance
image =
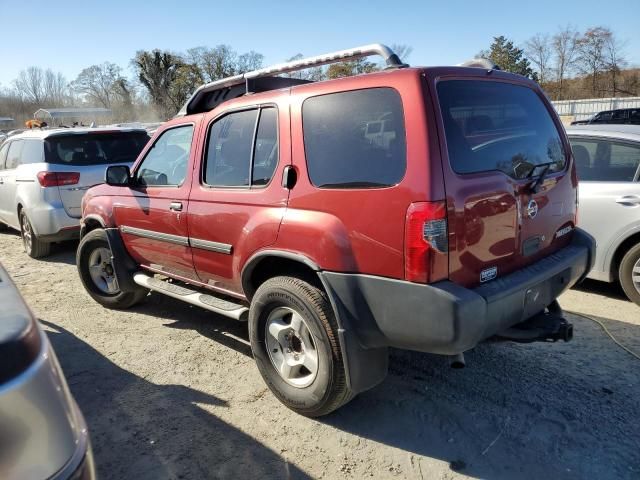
(207, 96)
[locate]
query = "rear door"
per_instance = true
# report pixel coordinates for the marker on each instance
(152, 215)
(500, 137)
(9, 186)
(88, 154)
(236, 206)
(4, 149)
(609, 189)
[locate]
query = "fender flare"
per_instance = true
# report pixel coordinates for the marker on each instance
(364, 367)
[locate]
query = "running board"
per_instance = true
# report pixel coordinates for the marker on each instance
(208, 302)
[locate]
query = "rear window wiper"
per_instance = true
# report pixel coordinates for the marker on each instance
(534, 184)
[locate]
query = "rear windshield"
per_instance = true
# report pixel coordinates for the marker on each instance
(498, 126)
(94, 148)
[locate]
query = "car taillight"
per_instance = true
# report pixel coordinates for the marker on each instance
(426, 243)
(56, 179)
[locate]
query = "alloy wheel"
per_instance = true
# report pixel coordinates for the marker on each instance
(291, 347)
(101, 271)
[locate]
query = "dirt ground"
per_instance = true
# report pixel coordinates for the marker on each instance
(171, 391)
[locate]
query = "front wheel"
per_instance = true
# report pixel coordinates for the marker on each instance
(294, 339)
(629, 274)
(95, 267)
(34, 247)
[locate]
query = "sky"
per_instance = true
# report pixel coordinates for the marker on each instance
(69, 36)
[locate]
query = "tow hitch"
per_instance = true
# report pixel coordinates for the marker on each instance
(549, 326)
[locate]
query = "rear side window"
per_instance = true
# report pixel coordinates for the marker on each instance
(100, 148)
(345, 143)
(32, 152)
(4, 149)
(13, 157)
(498, 126)
(605, 161)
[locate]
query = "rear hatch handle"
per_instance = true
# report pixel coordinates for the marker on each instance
(629, 200)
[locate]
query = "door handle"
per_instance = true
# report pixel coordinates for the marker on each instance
(175, 206)
(629, 200)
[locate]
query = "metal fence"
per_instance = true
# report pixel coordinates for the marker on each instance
(584, 109)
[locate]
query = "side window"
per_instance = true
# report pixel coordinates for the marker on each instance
(166, 162)
(3, 155)
(619, 115)
(265, 157)
(345, 143)
(605, 161)
(32, 151)
(15, 152)
(228, 161)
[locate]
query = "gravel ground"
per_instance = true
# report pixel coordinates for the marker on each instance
(171, 391)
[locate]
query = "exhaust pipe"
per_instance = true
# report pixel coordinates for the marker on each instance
(457, 361)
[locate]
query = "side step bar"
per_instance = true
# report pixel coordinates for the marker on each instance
(204, 300)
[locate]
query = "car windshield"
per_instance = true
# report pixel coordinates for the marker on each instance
(97, 148)
(498, 126)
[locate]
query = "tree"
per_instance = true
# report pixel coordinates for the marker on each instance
(508, 57)
(214, 63)
(614, 61)
(99, 83)
(30, 84)
(538, 50)
(592, 61)
(157, 71)
(188, 78)
(351, 67)
(222, 61)
(249, 61)
(565, 48)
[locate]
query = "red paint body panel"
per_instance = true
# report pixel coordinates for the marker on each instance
(343, 230)
(360, 230)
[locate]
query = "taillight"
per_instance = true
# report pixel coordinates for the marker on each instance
(57, 179)
(426, 243)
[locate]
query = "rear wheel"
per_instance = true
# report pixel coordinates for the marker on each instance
(34, 247)
(294, 339)
(97, 274)
(629, 274)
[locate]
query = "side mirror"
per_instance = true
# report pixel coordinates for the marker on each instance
(118, 176)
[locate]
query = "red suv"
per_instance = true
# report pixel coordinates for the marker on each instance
(417, 208)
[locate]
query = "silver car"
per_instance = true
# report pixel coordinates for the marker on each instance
(44, 174)
(608, 163)
(43, 434)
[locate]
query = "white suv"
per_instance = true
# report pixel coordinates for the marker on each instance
(44, 174)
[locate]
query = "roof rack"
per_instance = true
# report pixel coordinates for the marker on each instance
(479, 63)
(208, 96)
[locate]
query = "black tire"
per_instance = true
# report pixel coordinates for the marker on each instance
(33, 246)
(626, 273)
(328, 390)
(90, 243)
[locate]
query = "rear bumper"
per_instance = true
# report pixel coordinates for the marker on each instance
(52, 224)
(446, 318)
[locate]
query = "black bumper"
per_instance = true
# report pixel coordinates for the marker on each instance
(444, 317)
